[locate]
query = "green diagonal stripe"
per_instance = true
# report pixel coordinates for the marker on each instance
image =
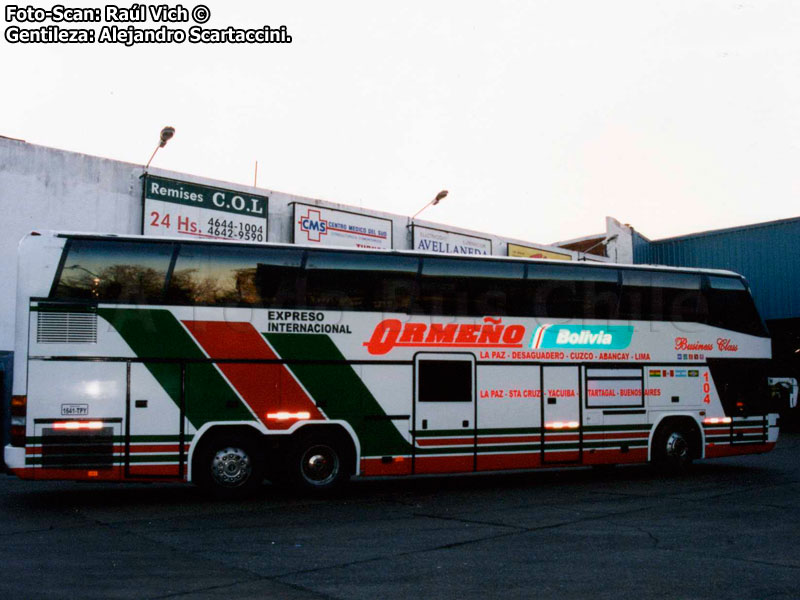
(157, 334)
(338, 390)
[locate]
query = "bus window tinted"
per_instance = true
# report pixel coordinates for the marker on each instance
(110, 271)
(731, 306)
(562, 292)
(359, 281)
(445, 381)
(235, 276)
(661, 296)
(636, 301)
(451, 286)
(680, 297)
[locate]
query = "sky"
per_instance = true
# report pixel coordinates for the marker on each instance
(541, 118)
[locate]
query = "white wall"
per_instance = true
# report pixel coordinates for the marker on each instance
(620, 249)
(42, 188)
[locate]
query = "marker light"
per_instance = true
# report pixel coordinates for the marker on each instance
(561, 425)
(717, 420)
(78, 425)
(285, 416)
(19, 409)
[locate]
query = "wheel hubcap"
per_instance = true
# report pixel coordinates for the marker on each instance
(231, 467)
(320, 465)
(677, 446)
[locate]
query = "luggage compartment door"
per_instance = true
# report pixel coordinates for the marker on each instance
(444, 412)
(154, 444)
(561, 415)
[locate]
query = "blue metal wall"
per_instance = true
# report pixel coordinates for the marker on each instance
(767, 254)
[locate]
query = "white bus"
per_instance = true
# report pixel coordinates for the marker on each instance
(225, 364)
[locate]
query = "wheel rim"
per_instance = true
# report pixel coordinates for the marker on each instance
(231, 467)
(319, 465)
(677, 447)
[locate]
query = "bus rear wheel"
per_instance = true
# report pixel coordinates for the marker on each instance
(229, 466)
(318, 463)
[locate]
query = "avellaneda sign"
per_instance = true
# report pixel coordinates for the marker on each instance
(428, 239)
(178, 208)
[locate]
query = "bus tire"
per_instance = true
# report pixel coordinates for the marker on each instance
(673, 448)
(229, 465)
(318, 463)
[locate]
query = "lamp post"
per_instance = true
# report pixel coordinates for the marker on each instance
(165, 136)
(439, 197)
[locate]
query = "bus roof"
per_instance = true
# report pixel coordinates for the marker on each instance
(175, 239)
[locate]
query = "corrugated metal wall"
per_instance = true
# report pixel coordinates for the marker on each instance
(641, 249)
(767, 254)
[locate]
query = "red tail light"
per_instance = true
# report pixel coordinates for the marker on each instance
(561, 425)
(717, 420)
(78, 425)
(285, 416)
(19, 410)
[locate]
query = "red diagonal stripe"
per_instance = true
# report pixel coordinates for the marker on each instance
(266, 388)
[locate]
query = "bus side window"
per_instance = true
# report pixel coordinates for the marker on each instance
(571, 292)
(450, 286)
(279, 280)
(113, 271)
(211, 275)
(731, 306)
(497, 289)
(359, 281)
(558, 299)
(445, 381)
(636, 297)
(600, 293)
(443, 287)
(681, 296)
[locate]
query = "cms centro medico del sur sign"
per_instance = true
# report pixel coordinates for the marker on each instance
(179, 208)
(331, 227)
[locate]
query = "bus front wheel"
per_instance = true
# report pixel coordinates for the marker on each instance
(672, 448)
(229, 466)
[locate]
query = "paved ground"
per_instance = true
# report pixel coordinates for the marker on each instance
(727, 530)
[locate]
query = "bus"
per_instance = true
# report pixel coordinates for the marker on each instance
(227, 364)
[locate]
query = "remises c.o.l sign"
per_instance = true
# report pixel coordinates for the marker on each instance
(178, 208)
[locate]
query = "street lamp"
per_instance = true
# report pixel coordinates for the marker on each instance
(439, 197)
(165, 136)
